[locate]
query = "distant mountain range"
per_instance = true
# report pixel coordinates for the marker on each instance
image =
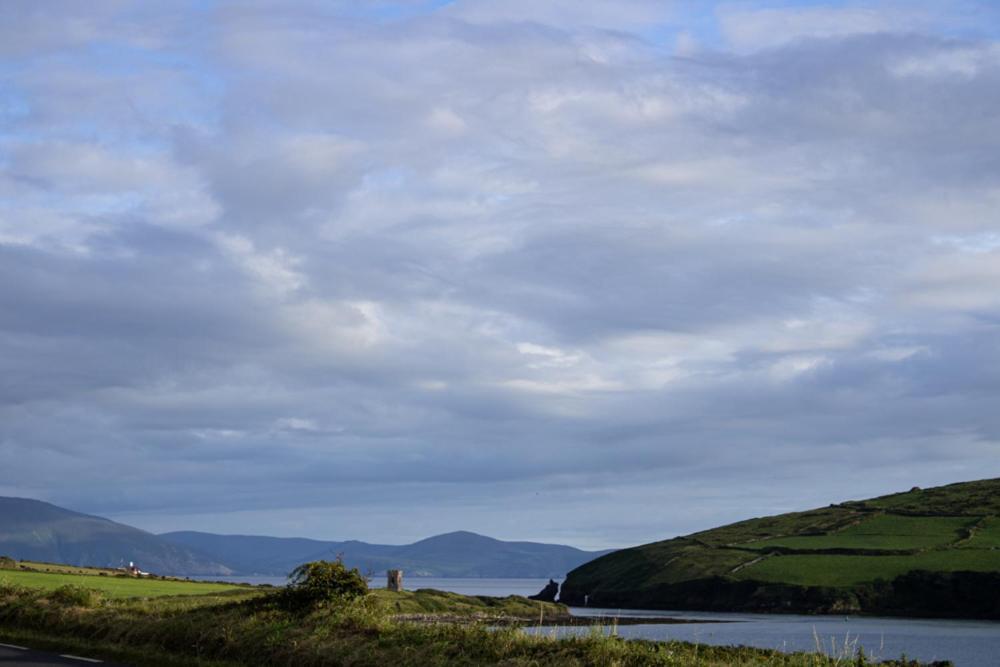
(458, 554)
(36, 530)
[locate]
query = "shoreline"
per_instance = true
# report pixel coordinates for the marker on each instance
(554, 621)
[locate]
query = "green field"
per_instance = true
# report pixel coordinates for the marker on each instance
(826, 519)
(827, 570)
(114, 587)
(880, 531)
(62, 569)
(987, 535)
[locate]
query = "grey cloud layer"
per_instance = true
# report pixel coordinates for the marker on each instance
(262, 261)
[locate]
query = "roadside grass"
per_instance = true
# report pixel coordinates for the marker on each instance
(843, 571)
(121, 653)
(882, 531)
(357, 634)
(112, 586)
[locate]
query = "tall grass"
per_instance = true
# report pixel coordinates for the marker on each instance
(252, 629)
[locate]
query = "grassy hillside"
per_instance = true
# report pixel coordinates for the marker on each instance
(855, 556)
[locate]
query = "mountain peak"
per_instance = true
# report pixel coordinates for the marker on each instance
(36, 530)
(458, 538)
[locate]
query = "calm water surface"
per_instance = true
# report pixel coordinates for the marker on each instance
(966, 643)
(465, 586)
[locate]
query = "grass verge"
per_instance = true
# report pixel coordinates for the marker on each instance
(252, 629)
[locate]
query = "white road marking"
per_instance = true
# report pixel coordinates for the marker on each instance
(19, 648)
(76, 657)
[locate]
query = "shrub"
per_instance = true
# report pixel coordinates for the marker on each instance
(10, 589)
(7, 563)
(322, 581)
(76, 596)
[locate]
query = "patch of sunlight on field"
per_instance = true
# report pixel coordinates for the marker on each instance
(37, 566)
(116, 587)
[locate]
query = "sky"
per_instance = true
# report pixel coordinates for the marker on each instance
(597, 273)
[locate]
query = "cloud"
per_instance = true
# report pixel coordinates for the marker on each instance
(448, 257)
(752, 28)
(563, 14)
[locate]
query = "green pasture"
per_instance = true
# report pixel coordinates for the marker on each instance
(814, 521)
(880, 531)
(987, 536)
(115, 587)
(60, 568)
(828, 570)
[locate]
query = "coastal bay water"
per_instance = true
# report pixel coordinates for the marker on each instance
(966, 643)
(463, 585)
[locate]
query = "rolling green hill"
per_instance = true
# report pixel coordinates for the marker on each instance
(927, 552)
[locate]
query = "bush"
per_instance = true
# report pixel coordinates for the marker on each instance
(10, 589)
(76, 596)
(7, 563)
(322, 581)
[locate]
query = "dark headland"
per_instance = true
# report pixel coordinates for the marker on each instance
(925, 552)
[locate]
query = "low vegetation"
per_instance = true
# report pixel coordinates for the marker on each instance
(855, 557)
(430, 602)
(255, 626)
(321, 582)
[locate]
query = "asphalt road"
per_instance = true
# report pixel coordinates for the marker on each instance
(11, 655)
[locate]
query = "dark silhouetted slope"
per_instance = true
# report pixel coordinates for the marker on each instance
(36, 530)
